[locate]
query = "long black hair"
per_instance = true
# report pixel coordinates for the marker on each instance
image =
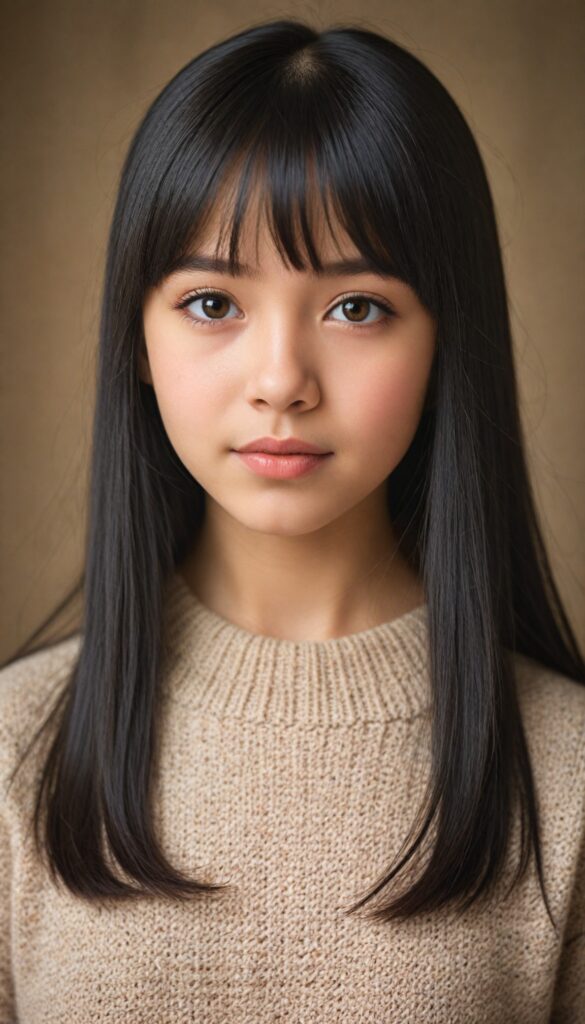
(391, 156)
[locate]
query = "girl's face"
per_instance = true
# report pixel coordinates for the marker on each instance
(281, 353)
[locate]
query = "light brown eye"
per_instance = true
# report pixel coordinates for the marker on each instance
(349, 307)
(353, 307)
(214, 305)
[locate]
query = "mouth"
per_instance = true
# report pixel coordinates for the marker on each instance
(282, 466)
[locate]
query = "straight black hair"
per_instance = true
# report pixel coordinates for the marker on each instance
(352, 117)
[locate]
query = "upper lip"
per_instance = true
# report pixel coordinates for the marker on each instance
(288, 446)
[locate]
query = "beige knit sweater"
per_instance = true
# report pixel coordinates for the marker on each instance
(292, 770)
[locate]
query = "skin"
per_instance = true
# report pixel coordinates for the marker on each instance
(313, 557)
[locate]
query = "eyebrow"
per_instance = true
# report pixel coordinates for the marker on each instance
(217, 264)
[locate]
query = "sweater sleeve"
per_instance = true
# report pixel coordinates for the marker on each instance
(569, 995)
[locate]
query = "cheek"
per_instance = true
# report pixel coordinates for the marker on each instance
(189, 402)
(386, 406)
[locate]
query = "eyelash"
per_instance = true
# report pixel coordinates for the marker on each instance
(199, 292)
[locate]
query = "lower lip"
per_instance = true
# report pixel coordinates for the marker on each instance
(281, 467)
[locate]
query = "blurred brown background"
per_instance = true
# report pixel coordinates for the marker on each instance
(77, 77)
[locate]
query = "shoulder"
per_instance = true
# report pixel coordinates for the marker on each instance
(552, 706)
(28, 687)
(545, 690)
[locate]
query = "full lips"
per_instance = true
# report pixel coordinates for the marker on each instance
(282, 467)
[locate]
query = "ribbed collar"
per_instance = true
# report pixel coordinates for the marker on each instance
(376, 675)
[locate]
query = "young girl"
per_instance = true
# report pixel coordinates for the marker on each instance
(316, 753)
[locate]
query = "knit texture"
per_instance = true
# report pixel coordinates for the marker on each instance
(292, 771)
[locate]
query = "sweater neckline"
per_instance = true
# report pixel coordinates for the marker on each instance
(222, 669)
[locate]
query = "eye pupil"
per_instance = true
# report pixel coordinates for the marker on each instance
(353, 302)
(206, 299)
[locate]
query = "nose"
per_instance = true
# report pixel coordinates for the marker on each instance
(283, 372)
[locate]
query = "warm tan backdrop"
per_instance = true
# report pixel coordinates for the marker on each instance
(76, 78)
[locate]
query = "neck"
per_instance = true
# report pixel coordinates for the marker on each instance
(338, 577)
